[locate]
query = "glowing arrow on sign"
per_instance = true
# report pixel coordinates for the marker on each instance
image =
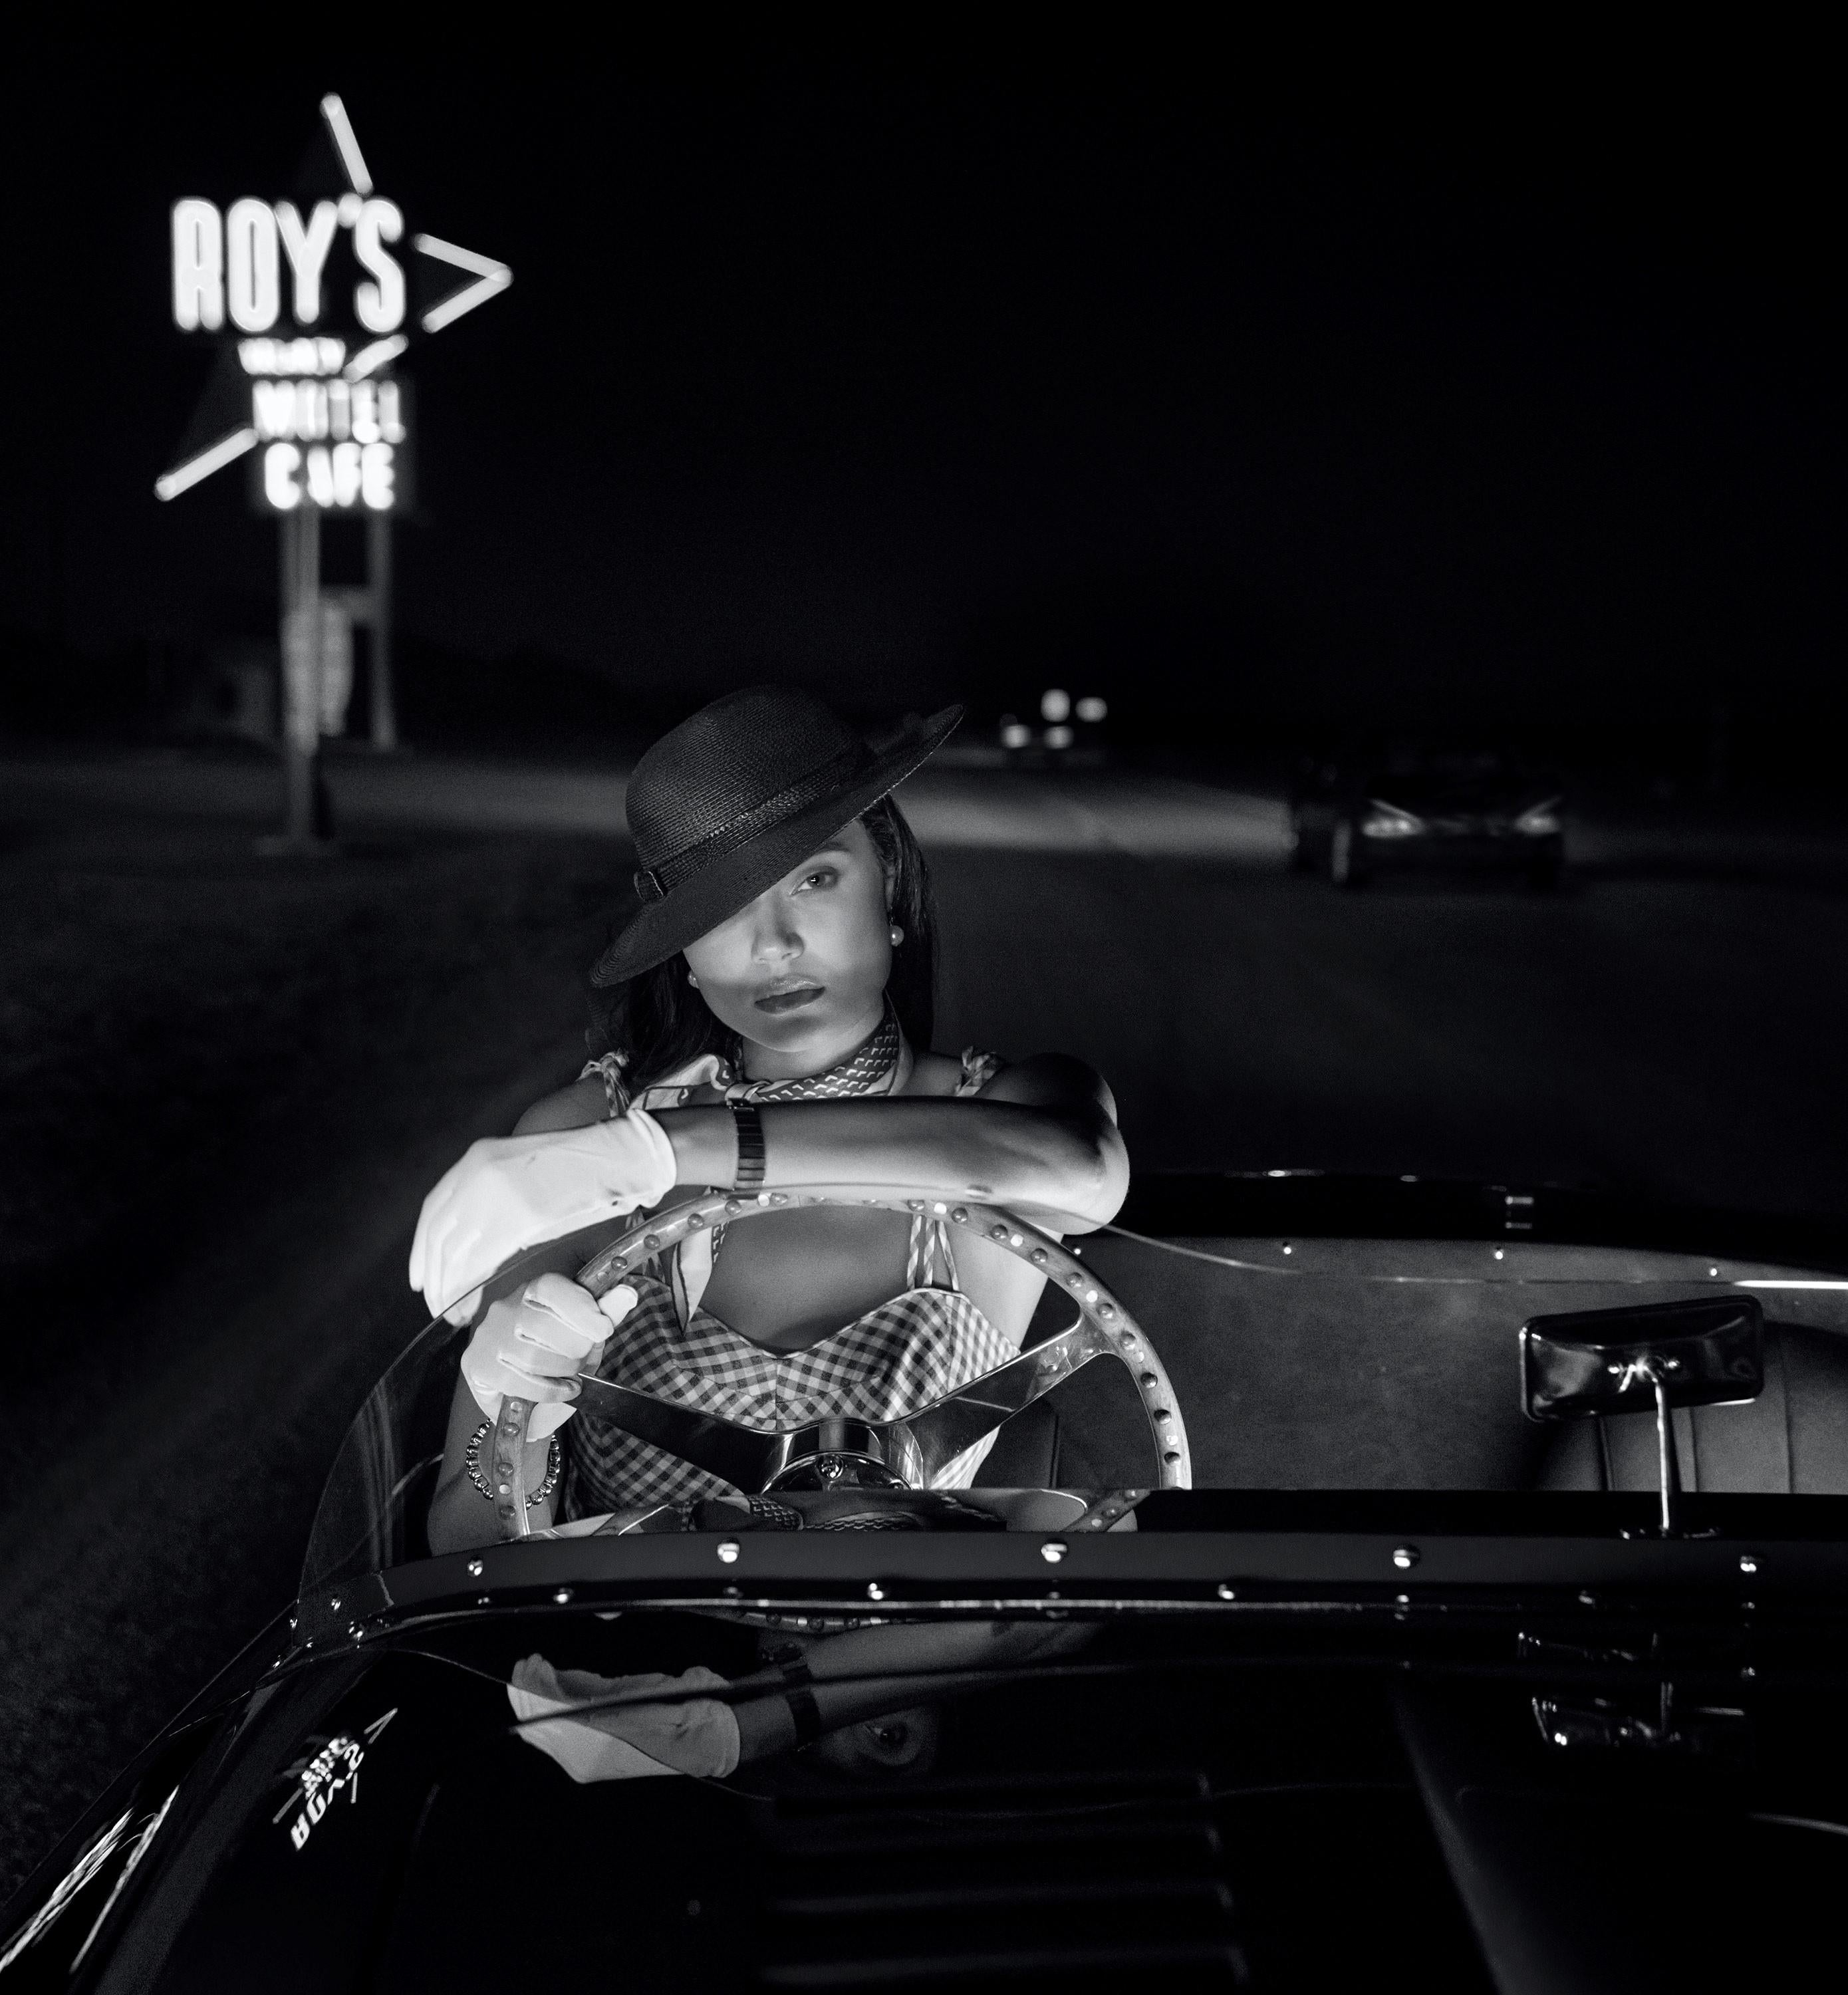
(492, 277)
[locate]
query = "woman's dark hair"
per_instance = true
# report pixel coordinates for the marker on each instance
(661, 1022)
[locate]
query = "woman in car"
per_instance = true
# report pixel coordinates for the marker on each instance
(771, 1031)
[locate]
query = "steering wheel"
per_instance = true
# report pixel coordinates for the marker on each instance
(901, 1455)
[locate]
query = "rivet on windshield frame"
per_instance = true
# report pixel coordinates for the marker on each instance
(291, 1620)
(1108, 1311)
(734, 1205)
(1748, 1564)
(1074, 1281)
(1499, 1255)
(998, 1233)
(875, 1591)
(1288, 1248)
(1405, 1557)
(475, 1568)
(779, 1198)
(1403, 1599)
(1037, 1257)
(334, 1604)
(1714, 1272)
(1163, 1413)
(1171, 1456)
(1053, 1550)
(1587, 1600)
(651, 1241)
(1149, 1378)
(563, 1596)
(728, 1551)
(960, 1214)
(1227, 1592)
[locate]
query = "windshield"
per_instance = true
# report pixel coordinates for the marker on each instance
(1241, 1363)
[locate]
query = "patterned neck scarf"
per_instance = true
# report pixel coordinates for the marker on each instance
(866, 1070)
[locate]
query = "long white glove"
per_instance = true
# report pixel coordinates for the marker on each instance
(533, 1344)
(510, 1192)
(691, 1735)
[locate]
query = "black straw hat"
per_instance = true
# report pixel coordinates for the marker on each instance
(722, 806)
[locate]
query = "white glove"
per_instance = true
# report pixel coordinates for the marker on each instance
(534, 1344)
(510, 1192)
(691, 1734)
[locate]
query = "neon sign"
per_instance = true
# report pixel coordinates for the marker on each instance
(320, 303)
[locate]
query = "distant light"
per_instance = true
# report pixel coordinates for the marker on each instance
(379, 306)
(340, 126)
(281, 461)
(253, 292)
(1058, 737)
(1015, 735)
(1542, 821)
(1054, 705)
(1092, 710)
(175, 481)
(369, 357)
(493, 277)
(198, 266)
(1385, 820)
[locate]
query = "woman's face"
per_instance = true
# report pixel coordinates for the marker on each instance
(801, 972)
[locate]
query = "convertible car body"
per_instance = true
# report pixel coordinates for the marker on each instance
(1456, 1598)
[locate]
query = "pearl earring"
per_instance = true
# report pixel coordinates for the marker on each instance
(898, 935)
(692, 979)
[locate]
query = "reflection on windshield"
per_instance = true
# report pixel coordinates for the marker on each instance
(868, 1697)
(1309, 1365)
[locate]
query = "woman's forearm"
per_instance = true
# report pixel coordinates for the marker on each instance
(1065, 1165)
(461, 1518)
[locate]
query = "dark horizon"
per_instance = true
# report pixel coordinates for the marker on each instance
(918, 387)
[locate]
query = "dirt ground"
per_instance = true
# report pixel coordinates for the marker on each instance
(225, 1082)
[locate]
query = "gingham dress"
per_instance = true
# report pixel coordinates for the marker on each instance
(895, 1360)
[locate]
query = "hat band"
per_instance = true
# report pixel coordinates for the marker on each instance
(656, 882)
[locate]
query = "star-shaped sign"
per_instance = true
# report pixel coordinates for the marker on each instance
(233, 272)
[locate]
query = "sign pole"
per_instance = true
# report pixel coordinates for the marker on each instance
(378, 575)
(305, 824)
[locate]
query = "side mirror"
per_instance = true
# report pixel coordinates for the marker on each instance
(1616, 1361)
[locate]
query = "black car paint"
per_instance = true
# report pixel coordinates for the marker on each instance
(1505, 1601)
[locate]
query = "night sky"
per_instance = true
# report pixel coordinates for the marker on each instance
(1207, 388)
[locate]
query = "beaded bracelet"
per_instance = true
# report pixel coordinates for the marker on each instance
(472, 1457)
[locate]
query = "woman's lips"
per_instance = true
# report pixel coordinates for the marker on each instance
(790, 1000)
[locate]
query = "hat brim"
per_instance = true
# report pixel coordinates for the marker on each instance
(717, 891)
